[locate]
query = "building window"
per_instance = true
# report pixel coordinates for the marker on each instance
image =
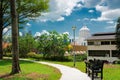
(114, 53)
(99, 53)
(105, 43)
(97, 43)
(113, 42)
(90, 43)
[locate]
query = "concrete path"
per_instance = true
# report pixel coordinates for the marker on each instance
(69, 73)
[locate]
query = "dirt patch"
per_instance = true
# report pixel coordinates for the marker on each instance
(6, 76)
(31, 76)
(36, 76)
(111, 66)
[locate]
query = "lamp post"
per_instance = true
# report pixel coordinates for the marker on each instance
(74, 60)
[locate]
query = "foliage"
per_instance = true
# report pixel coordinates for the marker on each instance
(34, 56)
(116, 62)
(27, 10)
(118, 35)
(53, 44)
(69, 48)
(81, 57)
(26, 45)
(8, 54)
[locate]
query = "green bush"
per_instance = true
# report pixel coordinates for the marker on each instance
(81, 57)
(118, 62)
(34, 55)
(8, 54)
(58, 58)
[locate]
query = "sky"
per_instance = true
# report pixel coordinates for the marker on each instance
(97, 15)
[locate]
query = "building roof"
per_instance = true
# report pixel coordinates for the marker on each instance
(102, 36)
(104, 33)
(5, 45)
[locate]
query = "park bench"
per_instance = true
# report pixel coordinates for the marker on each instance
(94, 68)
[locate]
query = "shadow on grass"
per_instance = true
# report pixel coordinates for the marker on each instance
(5, 62)
(25, 62)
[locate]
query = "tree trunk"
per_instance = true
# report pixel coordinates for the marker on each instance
(1, 30)
(15, 51)
(1, 48)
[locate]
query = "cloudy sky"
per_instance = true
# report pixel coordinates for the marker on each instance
(97, 15)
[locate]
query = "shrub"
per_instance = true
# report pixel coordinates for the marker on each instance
(34, 55)
(8, 54)
(118, 62)
(81, 57)
(58, 58)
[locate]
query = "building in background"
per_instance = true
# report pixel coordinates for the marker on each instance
(102, 46)
(80, 40)
(84, 33)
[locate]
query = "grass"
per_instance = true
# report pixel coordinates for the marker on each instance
(110, 71)
(30, 71)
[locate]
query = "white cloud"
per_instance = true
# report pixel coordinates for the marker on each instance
(60, 19)
(86, 19)
(58, 9)
(20, 33)
(66, 33)
(91, 3)
(110, 10)
(102, 8)
(112, 4)
(28, 24)
(111, 14)
(108, 15)
(44, 32)
(79, 5)
(111, 27)
(5, 30)
(91, 11)
(110, 22)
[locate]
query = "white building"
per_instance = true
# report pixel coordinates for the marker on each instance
(84, 33)
(102, 46)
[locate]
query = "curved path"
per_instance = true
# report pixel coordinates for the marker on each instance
(68, 73)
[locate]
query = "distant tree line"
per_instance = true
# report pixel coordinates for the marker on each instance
(52, 45)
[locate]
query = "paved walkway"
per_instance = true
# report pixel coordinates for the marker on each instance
(69, 73)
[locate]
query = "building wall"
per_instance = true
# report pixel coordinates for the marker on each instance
(101, 47)
(98, 47)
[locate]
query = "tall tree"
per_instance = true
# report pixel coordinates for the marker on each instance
(1, 29)
(15, 52)
(27, 44)
(118, 35)
(52, 44)
(27, 10)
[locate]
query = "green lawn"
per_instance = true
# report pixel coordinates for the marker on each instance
(110, 71)
(30, 71)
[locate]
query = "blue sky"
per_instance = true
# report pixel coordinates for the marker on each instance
(97, 15)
